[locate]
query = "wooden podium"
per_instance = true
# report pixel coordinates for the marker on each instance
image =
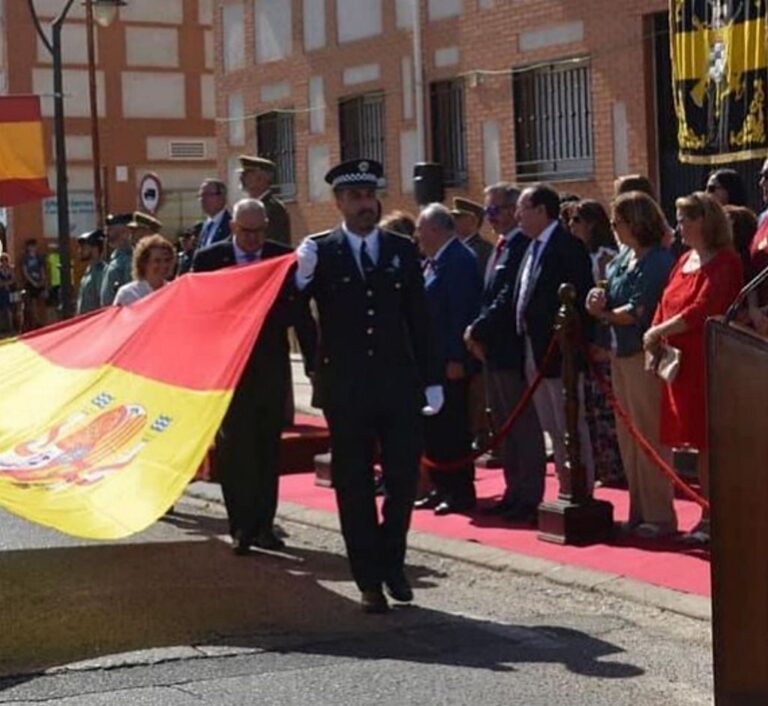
(738, 431)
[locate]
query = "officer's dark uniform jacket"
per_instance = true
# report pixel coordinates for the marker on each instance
(374, 330)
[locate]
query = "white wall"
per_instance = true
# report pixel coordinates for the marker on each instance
(358, 19)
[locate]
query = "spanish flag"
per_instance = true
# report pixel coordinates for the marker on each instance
(104, 419)
(22, 157)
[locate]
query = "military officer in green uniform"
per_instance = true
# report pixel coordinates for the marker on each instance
(91, 246)
(118, 270)
(469, 216)
(256, 178)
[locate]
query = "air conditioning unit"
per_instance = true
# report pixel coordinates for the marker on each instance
(186, 149)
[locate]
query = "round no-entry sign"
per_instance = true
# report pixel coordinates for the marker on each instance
(150, 193)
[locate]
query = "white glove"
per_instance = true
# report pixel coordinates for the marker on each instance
(435, 400)
(306, 262)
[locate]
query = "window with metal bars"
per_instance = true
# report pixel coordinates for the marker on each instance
(449, 145)
(553, 121)
(274, 137)
(361, 127)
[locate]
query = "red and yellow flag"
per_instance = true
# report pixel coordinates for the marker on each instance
(105, 419)
(22, 157)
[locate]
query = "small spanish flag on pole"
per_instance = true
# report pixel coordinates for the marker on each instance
(22, 157)
(104, 419)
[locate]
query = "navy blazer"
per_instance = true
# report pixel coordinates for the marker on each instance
(269, 364)
(222, 231)
(495, 327)
(453, 299)
(564, 259)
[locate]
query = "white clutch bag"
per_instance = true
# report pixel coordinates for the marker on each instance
(665, 362)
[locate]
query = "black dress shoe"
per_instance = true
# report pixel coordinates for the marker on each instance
(428, 502)
(374, 601)
(522, 517)
(267, 539)
(241, 545)
(399, 588)
(499, 508)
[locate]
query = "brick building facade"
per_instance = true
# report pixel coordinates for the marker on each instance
(155, 98)
(560, 90)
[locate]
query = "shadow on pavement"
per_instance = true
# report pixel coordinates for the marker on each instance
(63, 605)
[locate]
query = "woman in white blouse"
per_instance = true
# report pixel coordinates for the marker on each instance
(153, 261)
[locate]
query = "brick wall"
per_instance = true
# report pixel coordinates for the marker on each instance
(125, 141)
(489, 37)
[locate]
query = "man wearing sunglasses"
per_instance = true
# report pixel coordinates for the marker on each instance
(494, 339)
(248, 443)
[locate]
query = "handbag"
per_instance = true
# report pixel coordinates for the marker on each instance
(664, 362)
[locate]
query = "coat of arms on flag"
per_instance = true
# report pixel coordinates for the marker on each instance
(720, 77)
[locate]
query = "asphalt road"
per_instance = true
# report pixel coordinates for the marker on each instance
(172, 617)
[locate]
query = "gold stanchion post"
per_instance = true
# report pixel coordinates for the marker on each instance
(575, 517)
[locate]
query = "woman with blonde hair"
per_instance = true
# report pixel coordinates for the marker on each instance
(703, 283)
(153, 262)
(635, 280)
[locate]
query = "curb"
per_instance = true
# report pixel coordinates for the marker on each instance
(666, 599)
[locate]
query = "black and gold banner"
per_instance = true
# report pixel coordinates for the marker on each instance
(720, 79)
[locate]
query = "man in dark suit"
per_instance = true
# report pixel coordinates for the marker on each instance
(453, 287)
(248, 443)
(375, 362)
(552, 258)
(494, 339)
(213, 201)
(469, 216)
(257, 176)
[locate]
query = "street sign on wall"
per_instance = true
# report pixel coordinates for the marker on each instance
(150, 193)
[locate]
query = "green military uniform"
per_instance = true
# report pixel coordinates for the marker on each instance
(117, 274)
(89, 295)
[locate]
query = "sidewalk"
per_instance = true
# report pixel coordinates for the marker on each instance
(665, 573)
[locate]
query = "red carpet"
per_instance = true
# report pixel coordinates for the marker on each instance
(663, 563)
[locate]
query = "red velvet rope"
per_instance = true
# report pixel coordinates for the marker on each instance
(505, 428)
(642, 442)
(618, 410)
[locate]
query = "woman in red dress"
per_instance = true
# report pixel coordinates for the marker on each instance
(703, 283)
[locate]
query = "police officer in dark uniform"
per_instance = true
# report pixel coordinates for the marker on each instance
(376, 369)
(257, 175)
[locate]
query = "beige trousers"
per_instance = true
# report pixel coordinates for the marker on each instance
(639, 393)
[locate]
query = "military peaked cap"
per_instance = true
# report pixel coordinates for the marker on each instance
(92, 237)
(144, 220)
(119, 219)
(248, 162)
(462, 206)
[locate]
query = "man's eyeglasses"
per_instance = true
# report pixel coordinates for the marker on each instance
(250, 231)
(494, 210)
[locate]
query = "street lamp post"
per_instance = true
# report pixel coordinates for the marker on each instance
(101, 10)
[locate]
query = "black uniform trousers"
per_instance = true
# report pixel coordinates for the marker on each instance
(387, 417)
(447, 437)
(247, 454)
